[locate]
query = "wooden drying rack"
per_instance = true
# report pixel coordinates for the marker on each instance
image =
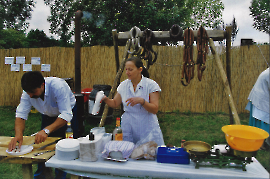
(120, 39)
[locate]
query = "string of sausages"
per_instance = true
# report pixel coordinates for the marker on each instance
(147, 41)
(145, 50)
(188, 66)
(202, 47)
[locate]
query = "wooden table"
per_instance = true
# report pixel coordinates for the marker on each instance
(27, 159)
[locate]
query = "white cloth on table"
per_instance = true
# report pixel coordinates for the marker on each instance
(137, 123)
(58, 100)
(152, 169)
(125, 147)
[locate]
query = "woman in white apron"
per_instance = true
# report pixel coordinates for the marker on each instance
(258, 104)
(140, 98)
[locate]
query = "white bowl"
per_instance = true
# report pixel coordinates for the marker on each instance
(67, 149)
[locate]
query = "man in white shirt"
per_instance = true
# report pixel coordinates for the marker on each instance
(53, 98)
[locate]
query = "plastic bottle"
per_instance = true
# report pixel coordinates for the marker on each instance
(91, 136)
(69, 132)
(92, 148)
(117, 132)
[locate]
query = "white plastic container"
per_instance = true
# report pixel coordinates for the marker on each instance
(97, 104)
(89, 150)
(67, 149)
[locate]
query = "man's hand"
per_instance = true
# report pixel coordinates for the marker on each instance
(40, 137)
(13, 142)
(19, 128)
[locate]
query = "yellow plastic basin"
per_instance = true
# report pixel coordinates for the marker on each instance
(244, 137)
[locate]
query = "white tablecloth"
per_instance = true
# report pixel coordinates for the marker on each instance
(150, 169)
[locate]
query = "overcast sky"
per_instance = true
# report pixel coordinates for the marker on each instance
(237, 8)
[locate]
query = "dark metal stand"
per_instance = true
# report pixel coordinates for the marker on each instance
(216, 159)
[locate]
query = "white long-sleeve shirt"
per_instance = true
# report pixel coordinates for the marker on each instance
(58, 101)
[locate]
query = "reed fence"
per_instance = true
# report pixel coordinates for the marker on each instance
(98, 66)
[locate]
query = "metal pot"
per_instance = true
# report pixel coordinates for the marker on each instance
(197, 147)
(244, 138)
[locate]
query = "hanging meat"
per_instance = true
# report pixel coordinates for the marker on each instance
(147, 41)
(202, 47)
(188, 65)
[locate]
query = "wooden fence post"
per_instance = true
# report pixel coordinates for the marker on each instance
(225, 82)
(228, 62)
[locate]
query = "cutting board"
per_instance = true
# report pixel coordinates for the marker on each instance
(4, 141)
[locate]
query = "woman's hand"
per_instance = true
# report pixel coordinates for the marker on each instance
(135, 100)
(113, 103)
(151, 106)
(104, 99)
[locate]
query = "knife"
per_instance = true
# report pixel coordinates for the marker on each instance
(41, 153)
(43, 147)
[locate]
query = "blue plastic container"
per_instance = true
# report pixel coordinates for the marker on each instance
(172, 155)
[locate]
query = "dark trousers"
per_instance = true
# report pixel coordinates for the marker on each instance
(61, 132)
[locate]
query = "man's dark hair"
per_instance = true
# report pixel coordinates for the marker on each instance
(32, 80)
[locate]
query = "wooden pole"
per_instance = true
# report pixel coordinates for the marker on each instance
(228, 62)
(27, 171)
(78, 16)
(115, 44)
(115, 84)
(116, 55)
(225, 82)
(164, 36)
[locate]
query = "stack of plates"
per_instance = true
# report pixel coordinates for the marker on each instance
(67, 149)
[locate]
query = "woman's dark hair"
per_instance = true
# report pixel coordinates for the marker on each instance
(32, 80)
(138, 63)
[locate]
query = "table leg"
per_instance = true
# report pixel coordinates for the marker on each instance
(48, 172)
(74, 176)
(27, 171)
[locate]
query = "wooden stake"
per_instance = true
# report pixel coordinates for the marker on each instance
(115, 44)
(115, 84)
(228, 62)
(225, 82)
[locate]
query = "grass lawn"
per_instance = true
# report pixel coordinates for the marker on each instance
(175, 127)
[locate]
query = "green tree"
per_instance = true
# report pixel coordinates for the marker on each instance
(103, 16)
(206, 13)
(11, 38)
(37, 39)
(235, 29)
(62, 16)
(260, 11)
(14, 13)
